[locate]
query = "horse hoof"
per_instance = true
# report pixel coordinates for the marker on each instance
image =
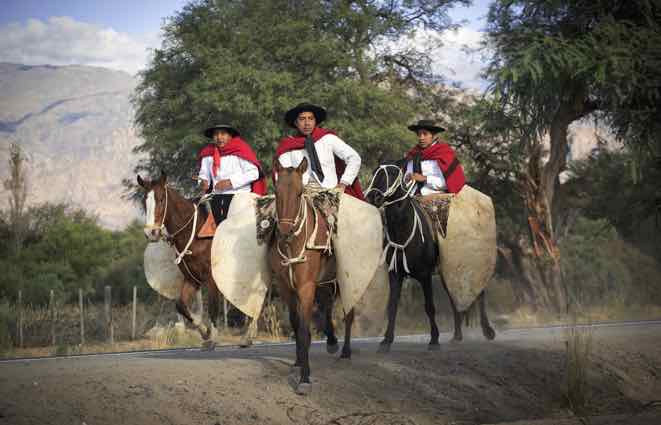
(434, 346)
(332, 348)
(346, 354)
(303, 388)
(489, 333)
(208, 345)
(457, 338)
(245, 342)
(206, 334)
(383, 348)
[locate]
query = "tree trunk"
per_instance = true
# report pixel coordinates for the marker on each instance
(540, 264)
(540, 258)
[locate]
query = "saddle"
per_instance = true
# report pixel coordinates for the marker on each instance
(436, 209)
(324, 205)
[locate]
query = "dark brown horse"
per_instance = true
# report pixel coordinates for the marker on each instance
(167, 210)
(298, 269)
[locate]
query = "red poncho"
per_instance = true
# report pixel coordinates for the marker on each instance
(447, 161)
(237, 147)
(291, 143)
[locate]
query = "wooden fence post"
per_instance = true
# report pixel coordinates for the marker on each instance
(135, 306)
(109, 327)
(82, 316)
(52, 316)
(19, 323)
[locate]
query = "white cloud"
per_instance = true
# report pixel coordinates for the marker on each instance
(65, 41)
(458, 58)
(453, 54)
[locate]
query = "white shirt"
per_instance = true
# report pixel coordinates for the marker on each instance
(327, 148)
(239, 171)
(435, 181)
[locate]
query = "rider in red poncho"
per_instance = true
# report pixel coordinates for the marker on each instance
(228, 166)
(432, 163)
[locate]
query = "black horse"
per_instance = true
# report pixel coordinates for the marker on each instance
(411, 241)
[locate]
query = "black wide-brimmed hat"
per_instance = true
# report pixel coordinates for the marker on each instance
(429, 125)
(231, 130)
(292, 114)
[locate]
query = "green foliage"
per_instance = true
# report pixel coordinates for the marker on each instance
(586, 55)
(247, 62)
(64, 250)
(609, 184)
(600, 268)
(7, 320)
(490, 142)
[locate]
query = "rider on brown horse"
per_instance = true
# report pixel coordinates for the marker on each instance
(227, 166)
(333, 163)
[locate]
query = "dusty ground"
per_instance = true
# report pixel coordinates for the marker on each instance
(517, 378)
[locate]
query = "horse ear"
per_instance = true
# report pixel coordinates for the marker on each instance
(277, 166)
(163, 177)
(303, 166)
(141, 182)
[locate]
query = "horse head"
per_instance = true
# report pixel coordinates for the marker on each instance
(156, 204)
(289, 197)
(387, 181)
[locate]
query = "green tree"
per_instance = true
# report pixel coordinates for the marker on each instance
(247, 62)
(555, 62)
(17, 186)
(65, 249)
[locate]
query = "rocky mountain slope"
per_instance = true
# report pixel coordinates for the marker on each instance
(75, 124)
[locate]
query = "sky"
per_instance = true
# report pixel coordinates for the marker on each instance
(118, 34)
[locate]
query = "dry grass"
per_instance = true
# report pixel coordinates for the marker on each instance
(578, 362)
(157, 327)
(272, 320)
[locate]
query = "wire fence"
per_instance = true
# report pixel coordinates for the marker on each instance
(86, 323)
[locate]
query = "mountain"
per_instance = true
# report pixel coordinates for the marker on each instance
(75, 125)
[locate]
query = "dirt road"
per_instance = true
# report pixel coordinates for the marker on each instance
(518, 377)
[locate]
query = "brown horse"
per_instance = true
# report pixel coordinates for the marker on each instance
(298, 268)
(167, 210)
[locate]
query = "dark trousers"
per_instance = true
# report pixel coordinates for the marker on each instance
(220, 205)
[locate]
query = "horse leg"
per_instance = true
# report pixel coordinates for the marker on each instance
(303, 338)
(250, 334)
(213, 295)
(430, 309)
(325, 301)
(183, 306)
(487, 330)
(458, 316)
(294, 319)
(346, 347)
(395, 280)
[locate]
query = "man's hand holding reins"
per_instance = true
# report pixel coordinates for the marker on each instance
(417, 177)
(224, 184)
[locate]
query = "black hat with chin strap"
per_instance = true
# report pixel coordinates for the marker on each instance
(292, 114)
(211, 130)
(429, 125)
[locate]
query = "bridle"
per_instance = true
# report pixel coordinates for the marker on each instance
(397, 183)
(169, 238)
(391, 189)
(301, 214)
(301, 218)
(161, 227)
